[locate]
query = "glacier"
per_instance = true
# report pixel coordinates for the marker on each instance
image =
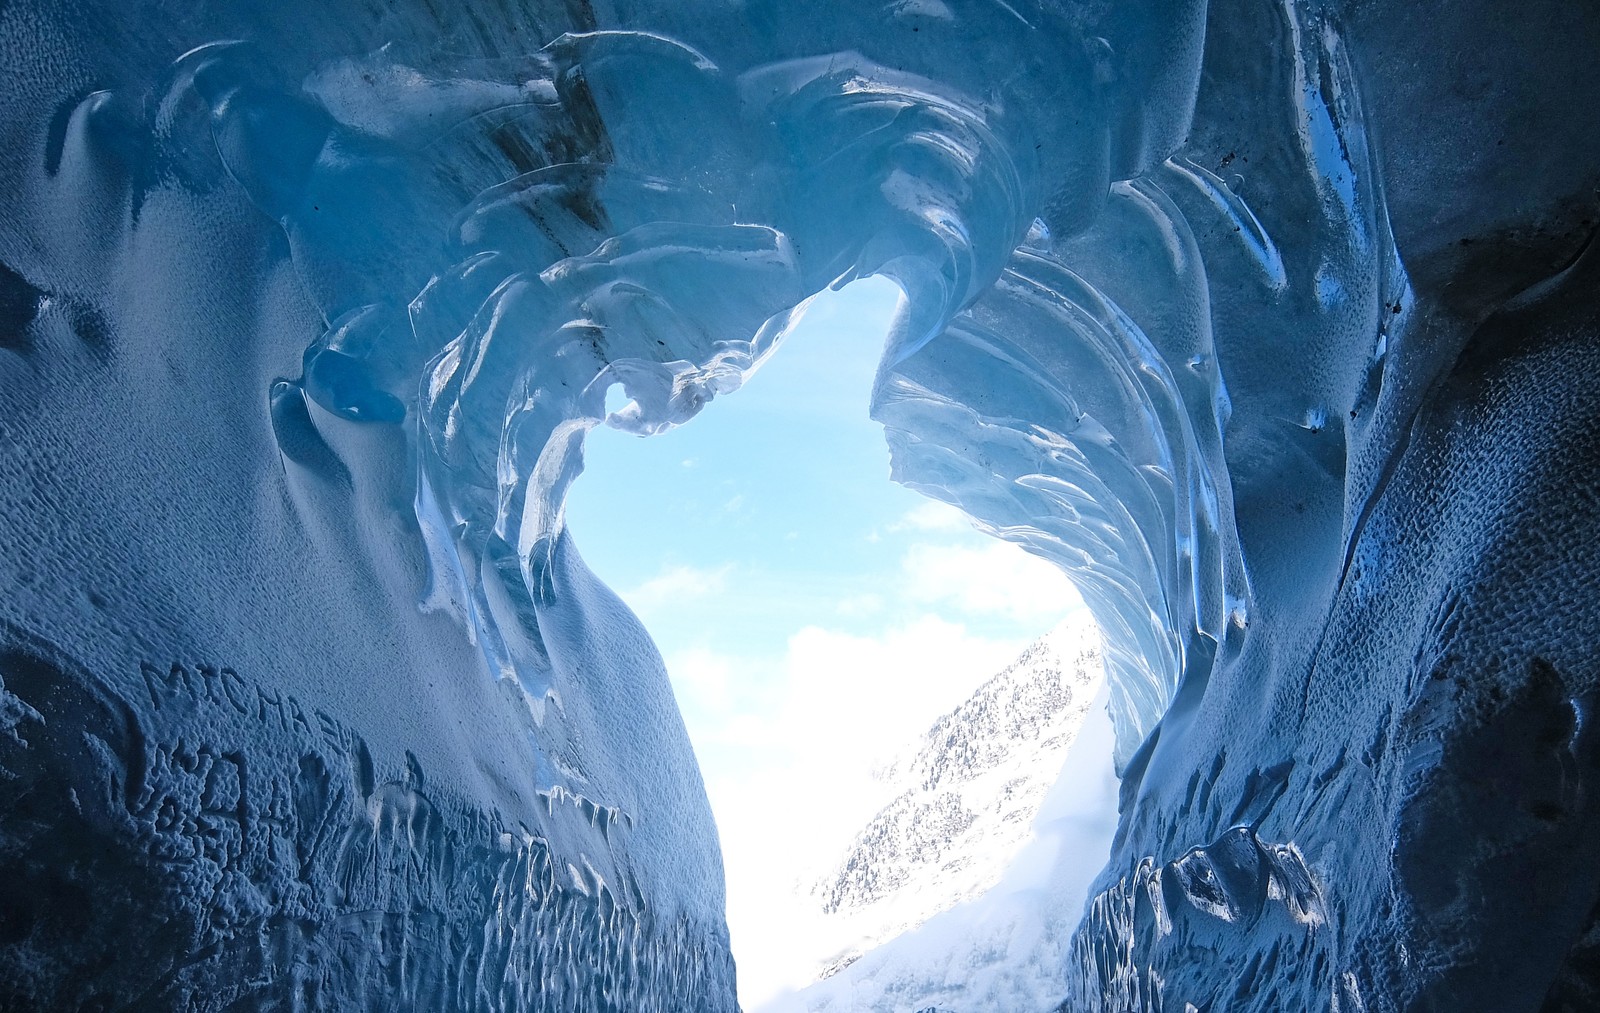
(1273, 324)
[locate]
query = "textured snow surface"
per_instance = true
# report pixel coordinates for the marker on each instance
(965, 795)
(932, 907)
(1269, 322)
(1001, 949)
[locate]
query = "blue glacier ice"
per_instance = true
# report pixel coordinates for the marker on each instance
(1273, 324)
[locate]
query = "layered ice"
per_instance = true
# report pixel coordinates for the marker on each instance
(1267, 322)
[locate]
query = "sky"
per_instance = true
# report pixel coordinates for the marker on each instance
(814, 616)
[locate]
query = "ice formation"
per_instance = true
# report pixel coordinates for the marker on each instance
(1269, 322)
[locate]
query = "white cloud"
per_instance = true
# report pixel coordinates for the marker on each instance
(860, 605)
(999, 578)
(932, 516)
(675, 584)
(703, 680)
(874, 693)
(801, 735)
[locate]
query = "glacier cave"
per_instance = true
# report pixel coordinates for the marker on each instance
(1273, 324)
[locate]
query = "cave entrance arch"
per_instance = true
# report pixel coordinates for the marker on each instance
(816, 619)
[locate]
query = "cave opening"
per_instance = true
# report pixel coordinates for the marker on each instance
(880, 695)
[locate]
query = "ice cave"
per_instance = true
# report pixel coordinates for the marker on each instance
(1272, 323)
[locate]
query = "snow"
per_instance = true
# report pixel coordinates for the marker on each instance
(964, 794)
(1002, 947)
(990, 760)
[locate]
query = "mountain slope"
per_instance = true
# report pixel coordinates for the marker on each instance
(967, 793)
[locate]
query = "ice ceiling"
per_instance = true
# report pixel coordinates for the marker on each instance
(1266, 321)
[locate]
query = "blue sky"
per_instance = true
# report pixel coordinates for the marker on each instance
(814, 616)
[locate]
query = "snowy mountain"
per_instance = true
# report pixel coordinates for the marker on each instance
(1005, 949)
(965, 795)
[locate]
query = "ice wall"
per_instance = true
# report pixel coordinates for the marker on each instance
(1256, 318)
